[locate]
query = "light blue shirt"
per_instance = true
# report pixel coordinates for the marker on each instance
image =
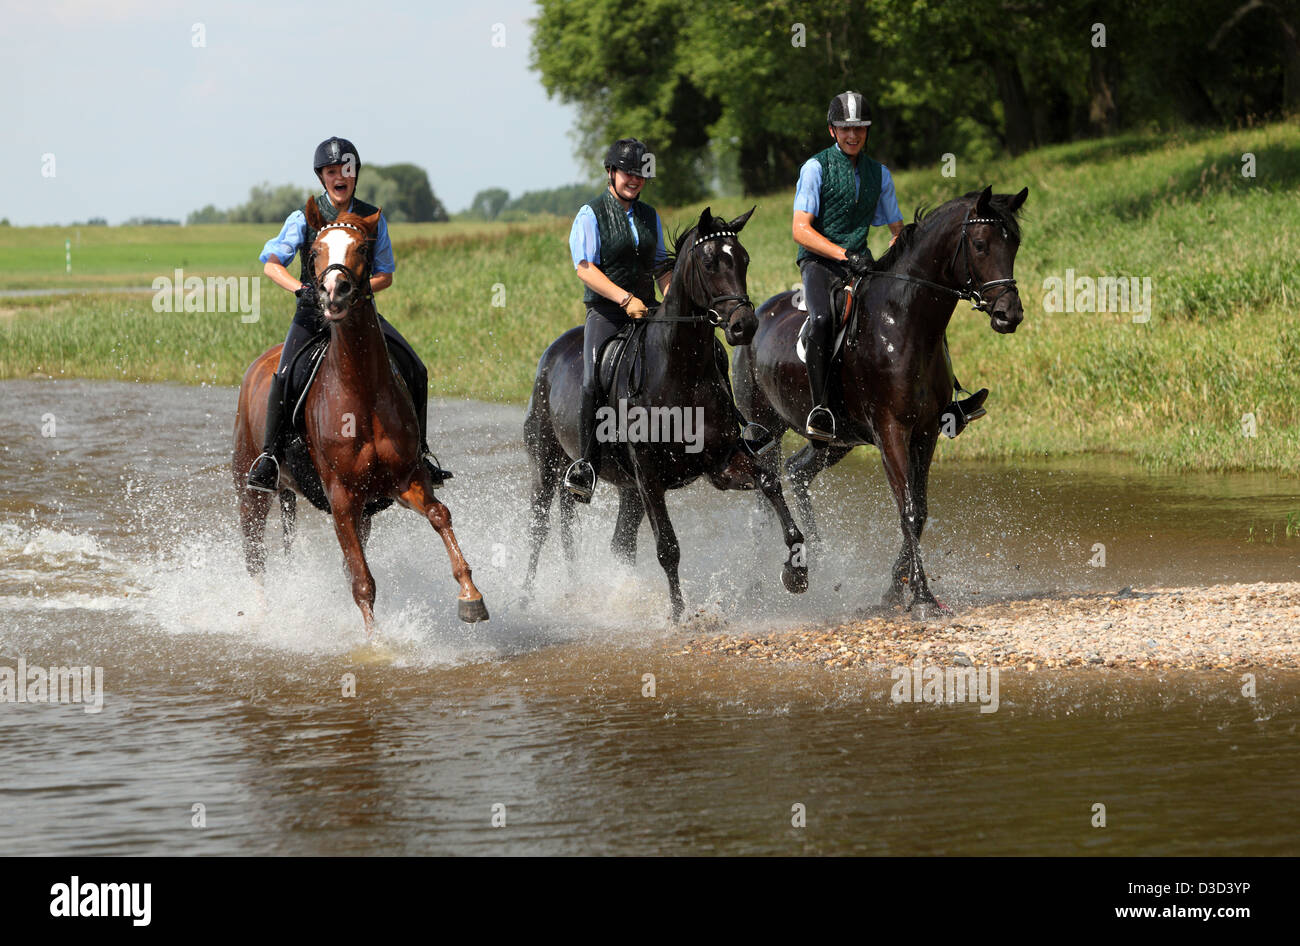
(808, 195)
(284, 246)
(584, 237)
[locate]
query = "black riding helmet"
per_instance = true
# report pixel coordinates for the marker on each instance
(849, 110)
(627, 155)
(335, 151)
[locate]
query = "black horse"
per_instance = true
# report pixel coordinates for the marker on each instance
(670, 364)
(893, 379)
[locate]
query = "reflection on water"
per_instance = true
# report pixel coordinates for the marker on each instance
(118, 549)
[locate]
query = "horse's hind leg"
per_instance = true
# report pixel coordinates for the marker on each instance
(630, 513)
(254, 506)
(803, 468)
(288, 517)
(419, 496)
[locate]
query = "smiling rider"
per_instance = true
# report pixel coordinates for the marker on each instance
(338, 167)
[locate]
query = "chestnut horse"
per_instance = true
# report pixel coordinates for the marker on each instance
(893, 379)
(362, 438)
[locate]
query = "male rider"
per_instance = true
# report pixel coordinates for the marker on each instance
(337, 166)
(841, 194)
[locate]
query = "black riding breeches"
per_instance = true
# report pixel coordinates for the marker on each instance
(820, 275)
(599, 328)
(307, 321)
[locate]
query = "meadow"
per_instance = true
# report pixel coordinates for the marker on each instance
(1219, 358)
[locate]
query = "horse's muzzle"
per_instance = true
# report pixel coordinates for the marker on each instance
(1007, 313)
(741, 325)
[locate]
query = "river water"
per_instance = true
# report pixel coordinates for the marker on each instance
(118, 549)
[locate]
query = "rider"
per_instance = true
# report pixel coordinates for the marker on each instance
(337, 166)
(830, 225)
(617, 243)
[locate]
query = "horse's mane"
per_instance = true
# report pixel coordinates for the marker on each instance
(678, 240)
(999, 207)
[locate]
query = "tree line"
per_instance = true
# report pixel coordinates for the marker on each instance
(735, 94)
(402, 190)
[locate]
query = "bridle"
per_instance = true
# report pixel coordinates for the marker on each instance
(711, 313)
(363, 280)
(975, 294)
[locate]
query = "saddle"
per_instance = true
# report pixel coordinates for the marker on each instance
(304, 368)
(846, 324)
(627, 342)
(298, 381)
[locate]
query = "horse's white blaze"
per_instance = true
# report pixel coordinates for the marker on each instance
(336, 243)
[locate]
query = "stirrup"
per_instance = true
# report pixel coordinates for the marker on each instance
(961, 414)
(260, 483)
(757, 439)
(816, 432)
(580, 488)
(437, 474)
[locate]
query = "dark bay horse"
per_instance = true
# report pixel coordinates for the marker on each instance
(362, 438)
(677, 370)
(892, 381)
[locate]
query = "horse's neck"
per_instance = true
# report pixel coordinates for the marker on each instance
(357, 350)
(926, 309)
(686, 338)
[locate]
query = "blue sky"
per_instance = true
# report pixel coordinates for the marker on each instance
(141, 122)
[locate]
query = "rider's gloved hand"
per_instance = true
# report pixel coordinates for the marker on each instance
(306, 294)
(858, 263)
(635, 308)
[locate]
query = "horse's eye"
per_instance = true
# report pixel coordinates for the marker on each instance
(980, 246)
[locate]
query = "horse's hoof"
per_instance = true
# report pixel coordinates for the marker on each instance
(892, 598)
(924, 608)
(795, 579)
(472, 610)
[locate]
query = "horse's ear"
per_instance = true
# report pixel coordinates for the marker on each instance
(371, 222)
(740, 221)
(315, 219)
(1018, 200)
(706, 220)
(982, 204)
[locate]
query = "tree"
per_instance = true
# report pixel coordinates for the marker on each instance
(487, 204)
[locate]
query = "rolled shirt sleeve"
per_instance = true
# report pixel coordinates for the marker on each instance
(584, 240)
(887, 204)
(384, 261)
(284, 246)
(661, 252)
(808, 195)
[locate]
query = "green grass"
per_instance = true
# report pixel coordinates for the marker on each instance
(1223, 340)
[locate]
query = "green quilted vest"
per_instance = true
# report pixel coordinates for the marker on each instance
(843, 219)
(626, 262)
(327, 210)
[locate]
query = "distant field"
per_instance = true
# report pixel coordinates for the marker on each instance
(1223, 340)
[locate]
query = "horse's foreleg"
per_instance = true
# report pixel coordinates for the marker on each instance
(630, 513)
(421, 499)
(347, 513)
(539, 521)
(567, 503)
(666, 546)
(794, 573)
(288, 517)
(896, 456)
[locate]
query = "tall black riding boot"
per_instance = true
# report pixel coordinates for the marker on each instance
(264, 474)
(580, 477)
(420, 398)
(820, 424)
(756, 438)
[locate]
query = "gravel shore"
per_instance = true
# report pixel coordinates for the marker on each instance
(1216, 627)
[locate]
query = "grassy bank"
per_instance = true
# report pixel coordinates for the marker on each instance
(1220, 250)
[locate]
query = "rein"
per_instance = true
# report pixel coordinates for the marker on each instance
(359, 281)
(975, 294)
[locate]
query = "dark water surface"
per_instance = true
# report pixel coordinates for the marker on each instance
(118, 549)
